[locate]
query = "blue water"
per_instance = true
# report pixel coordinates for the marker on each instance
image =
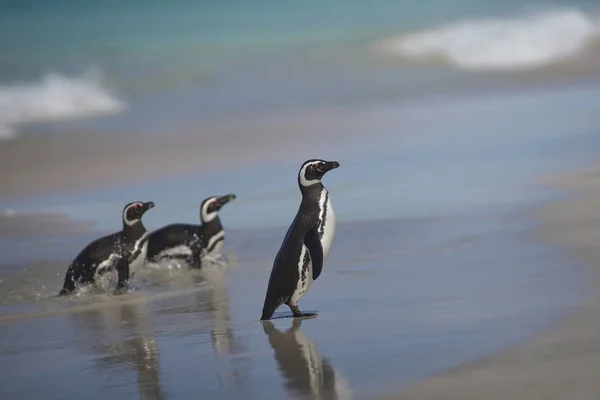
(197, 35)
(178, 63)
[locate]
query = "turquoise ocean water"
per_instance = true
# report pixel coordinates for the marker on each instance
(157, 66)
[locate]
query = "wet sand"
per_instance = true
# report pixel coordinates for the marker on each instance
(181, 334)
(563, 363)
(15, 225)
(37, 164)
(441, 269)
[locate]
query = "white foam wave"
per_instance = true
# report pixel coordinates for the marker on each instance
(55, 97)
(527, 41)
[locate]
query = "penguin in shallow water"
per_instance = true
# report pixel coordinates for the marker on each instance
(124, 251)
(188, 242)
(307, 243)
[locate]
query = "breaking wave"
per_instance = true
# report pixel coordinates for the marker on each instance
(527, 41)
(55, 97)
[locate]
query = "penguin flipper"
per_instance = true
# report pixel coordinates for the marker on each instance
(69, 283)
(197, 246)
(313, 244)
(123, 272)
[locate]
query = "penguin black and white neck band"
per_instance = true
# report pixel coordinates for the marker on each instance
(307, 243)
(124, 251)
(189, 242)
(213, 234)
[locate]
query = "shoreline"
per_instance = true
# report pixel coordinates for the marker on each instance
(39, 164)
(32, 165)
(17, 225)
(349, 269)
(561, 363)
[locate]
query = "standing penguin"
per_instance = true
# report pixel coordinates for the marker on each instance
(189, 242)
(306, 245)
(124, 251)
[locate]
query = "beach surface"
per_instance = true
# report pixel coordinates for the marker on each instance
(456, 269)
(437, 254)
(45, 164)
(561, 363)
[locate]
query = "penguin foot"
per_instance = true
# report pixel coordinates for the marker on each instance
(297, 314)
(295, 311)
(309, 314)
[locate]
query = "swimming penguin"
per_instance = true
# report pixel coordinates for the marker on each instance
(190, 242)
(306, 245)
(124, 251)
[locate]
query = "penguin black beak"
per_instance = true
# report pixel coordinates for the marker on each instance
(148, 205)
(329, 166)
(225, 199)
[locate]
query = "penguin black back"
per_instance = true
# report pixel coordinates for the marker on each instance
(188, 242)
(300, 259)
(119, 250)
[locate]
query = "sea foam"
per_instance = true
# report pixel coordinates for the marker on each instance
(528, 41)
(55, 97)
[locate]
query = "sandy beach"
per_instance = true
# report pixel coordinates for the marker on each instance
(32, 225)
(49, 164)
(562, 363)
(438, 251)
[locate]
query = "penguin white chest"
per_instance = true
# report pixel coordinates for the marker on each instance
(327, 222)
(214, 247)
(138, 254)
(217, 250)
(305, 276)
(326, 231)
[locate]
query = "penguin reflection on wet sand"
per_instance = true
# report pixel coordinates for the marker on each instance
(306, 245)
(123, 251)
(120, 338)
(306, 372)
(189, 242)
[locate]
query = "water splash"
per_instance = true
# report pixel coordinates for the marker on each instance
(527, 41)
(55, 97)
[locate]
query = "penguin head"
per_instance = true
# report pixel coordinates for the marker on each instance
(132, 213)
(312, 171)
(211, 206)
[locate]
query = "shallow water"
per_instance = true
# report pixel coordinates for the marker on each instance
(399, 300)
